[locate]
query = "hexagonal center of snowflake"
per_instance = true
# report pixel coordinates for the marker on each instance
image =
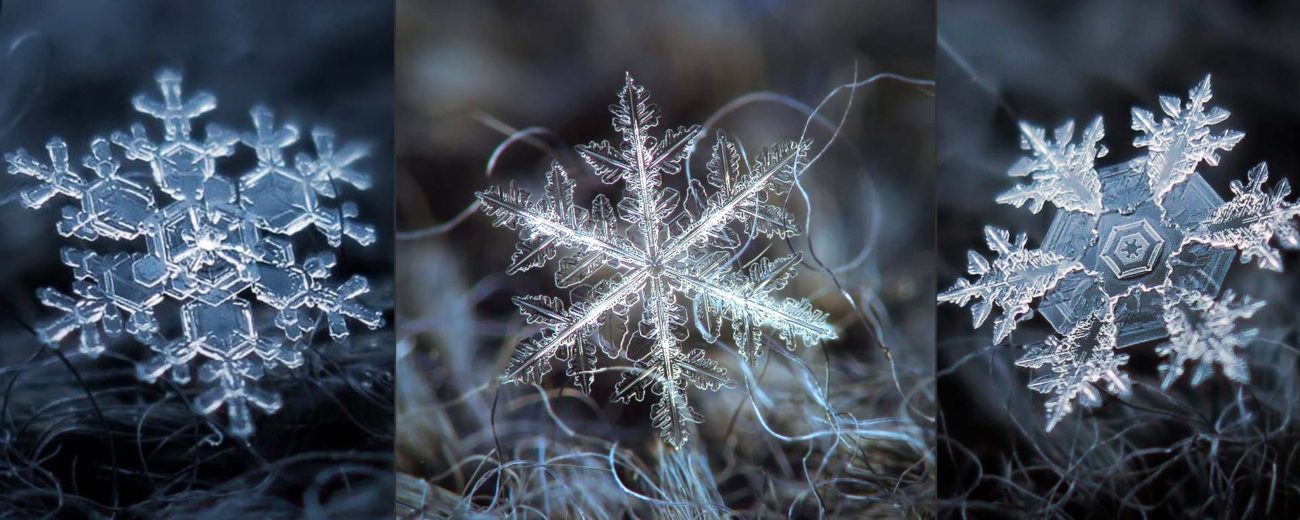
(1132, 249)
(209, 238)
(188, 231)
(1130, 246)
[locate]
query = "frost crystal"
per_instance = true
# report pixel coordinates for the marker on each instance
(1012, 281)
(1203, 330)
(1078, 362)
(677, 249)
(214, 245)
(1137, 252)
(1251, 219)
(1064, 174)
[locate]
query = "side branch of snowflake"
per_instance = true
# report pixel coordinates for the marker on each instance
(1012, 281)
(1250, 221)
(1062, 173)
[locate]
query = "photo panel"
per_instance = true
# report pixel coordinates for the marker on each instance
(603, 208)
(1116, 267)
(198, 247)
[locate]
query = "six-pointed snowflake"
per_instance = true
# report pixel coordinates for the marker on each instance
(678, 249)
(1137, 252)
(214, 245)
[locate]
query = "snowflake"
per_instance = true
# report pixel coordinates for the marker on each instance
(1136, 252)
(211, 242)
(675, 246)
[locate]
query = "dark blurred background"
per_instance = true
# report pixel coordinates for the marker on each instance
(86, 439)
(1158, 454)
(472, 73)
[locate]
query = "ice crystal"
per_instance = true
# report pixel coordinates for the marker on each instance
(1178, 144)
(1203, 330)
(1078, 363)
(676, 248)
(214, 245)
(1016, 278)
(1137, 252)
(1251, 219)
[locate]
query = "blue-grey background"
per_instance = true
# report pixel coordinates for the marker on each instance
(69, 68)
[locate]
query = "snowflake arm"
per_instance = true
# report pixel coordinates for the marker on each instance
(181, 165)
(745, 301)
(1012, 281)
(171, 357)
(341, 302)
(556, 221)
(333, 163)
(173, 110)
(266, 140)
(1251, 219)
(742, 197)
(56, 179)
(665, 315)
(1080, 363)
(110, 206)
(641, 157)
(83, 315)
(531, 359)
(286, 200)
(1061, 172)
(672, 413)
(1177, 144)
(1203, 330)
(232, 387)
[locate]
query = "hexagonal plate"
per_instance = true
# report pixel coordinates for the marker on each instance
(279, 200)
(180, 169)
(282, 288)
(223, 331)
(117, 280)
(1129, 210)
(1132, 249)
(117, 207)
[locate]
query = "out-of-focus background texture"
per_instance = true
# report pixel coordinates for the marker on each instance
(86, 439)
(472, 74)
(1212, 451)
